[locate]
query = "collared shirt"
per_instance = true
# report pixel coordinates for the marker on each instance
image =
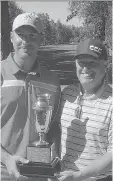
(17, 129)
(87, 136)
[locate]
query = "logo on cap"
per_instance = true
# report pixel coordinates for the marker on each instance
(95, 48)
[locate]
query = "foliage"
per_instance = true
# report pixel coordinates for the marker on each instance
(9, 11)
(97, 17)
(55, 33)
(14, 11)
(58, 33)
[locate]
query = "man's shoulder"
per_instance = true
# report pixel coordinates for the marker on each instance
(108, 91)
(72, 88)
(3, 66)
(70, 92)
(3, 69)
(5, 63)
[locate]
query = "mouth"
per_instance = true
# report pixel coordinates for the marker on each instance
(28, 47)
(86, 75)
(90, 75)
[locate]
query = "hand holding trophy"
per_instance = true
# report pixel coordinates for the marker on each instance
(39, 152)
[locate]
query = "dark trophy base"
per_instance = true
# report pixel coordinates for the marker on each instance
(37, 169)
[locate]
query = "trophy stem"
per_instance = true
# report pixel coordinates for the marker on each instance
(41, 139)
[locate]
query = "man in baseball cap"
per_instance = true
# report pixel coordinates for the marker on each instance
(86, 118)
(90, 60)
(23, 77)
(26, 35)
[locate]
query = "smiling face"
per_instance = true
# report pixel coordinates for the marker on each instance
(90, 71)
(26, 41)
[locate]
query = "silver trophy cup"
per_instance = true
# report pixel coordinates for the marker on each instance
(40, 150)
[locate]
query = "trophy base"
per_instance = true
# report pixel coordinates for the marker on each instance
(37, 169)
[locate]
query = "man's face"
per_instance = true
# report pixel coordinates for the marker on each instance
(26, 41)
(90, 71)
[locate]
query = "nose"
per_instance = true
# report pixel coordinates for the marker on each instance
(26, 38)
(85, 69)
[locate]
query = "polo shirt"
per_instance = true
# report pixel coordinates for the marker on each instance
(17, 125)
(89, 136)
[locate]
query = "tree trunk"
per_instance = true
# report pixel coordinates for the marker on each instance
(5, 32)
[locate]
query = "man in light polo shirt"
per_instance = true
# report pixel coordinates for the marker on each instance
(20, 70)
(86, 118)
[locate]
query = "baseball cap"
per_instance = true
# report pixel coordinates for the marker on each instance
(92, 47)
(30, 19)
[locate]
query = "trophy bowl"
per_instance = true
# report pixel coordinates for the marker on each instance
(42, 117)
(39, 152)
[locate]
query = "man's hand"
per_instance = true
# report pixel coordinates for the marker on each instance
(11, 165)
(68, 176)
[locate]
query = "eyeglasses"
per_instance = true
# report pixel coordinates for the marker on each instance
(78, 111)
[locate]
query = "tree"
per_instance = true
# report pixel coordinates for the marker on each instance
(47, 28)
(9, 10)
(96, 15)
(53, 32)
(14, 11)
(5, 33)
(59, 32)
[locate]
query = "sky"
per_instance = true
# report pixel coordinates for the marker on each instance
(56, 10)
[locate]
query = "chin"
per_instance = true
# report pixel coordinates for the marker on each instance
(26, 54)
(88, 81)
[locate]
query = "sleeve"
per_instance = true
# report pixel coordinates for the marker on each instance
(1, 80)
(1, 75)
(110, 133)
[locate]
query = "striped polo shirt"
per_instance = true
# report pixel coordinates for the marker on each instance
(17, 127)
(85, 138)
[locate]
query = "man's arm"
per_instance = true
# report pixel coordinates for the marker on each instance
(4, 155)
(10, 161)
(97, 167)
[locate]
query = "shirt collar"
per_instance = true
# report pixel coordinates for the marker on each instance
(97, 94)
(14, 67)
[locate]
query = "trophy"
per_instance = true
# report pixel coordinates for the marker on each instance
(39, 152)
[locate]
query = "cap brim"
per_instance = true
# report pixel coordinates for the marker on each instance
(88, 53)
(39, 31)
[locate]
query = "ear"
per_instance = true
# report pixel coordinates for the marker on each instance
(106, 64)
(11, 37)
(74, 64)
